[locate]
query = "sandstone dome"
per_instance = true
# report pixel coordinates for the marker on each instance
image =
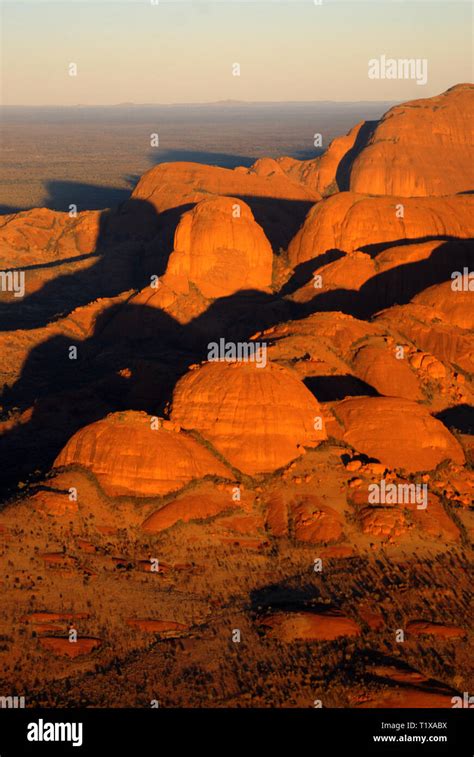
(409, 269)
(220, 247)
(455, 307)
(171, 185)
(258, 418)
(130, 458)
(395, 275)
(379, 368)
(267, 167)
(423, 147)
(348, 221)
(323, 173)
(349, 272)
(431, 331)
(397, 432)
(38, 236)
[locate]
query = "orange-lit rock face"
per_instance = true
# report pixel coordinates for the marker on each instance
(379, 368)
(423, 147)
(221, 248)
(31, 231)
(349, 221)
(316, 523)
(351, 271)
(130, 458)
(188, 507)
(321, 173)
(277, 516)
(427, 328)
(399, 433)
(38, 236)
(455, 306)
(380, 521)
(188, 529)
(170, 185)
(406, 688)
(53, 503)
(258, 418)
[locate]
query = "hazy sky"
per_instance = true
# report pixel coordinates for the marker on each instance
(180, 51)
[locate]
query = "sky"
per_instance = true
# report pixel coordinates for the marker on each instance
(180, 52)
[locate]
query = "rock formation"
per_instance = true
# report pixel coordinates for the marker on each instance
(128, 455)
(397, 432)
(205, 519)
(348, 221)
(258, 418)
(220, 248)
(420, 148)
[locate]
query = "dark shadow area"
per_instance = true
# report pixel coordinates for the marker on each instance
(398, 285)
(221, 159)
(460, 418)
(138, 352)
(343, 173)
(132, 361)
(303, 273)
(6, 210)
(280, 219)
(294, 594)
(125, 258)
(375, 249)
(286, 596)
(364, 459)
(134, 242)
(307, 154)
(55, 263)
(61, 194)
(333, 388)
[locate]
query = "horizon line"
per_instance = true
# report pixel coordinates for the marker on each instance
(204, 102)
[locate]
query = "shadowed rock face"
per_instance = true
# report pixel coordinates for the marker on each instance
(421, 148)
(165, 499)
(330, 172)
